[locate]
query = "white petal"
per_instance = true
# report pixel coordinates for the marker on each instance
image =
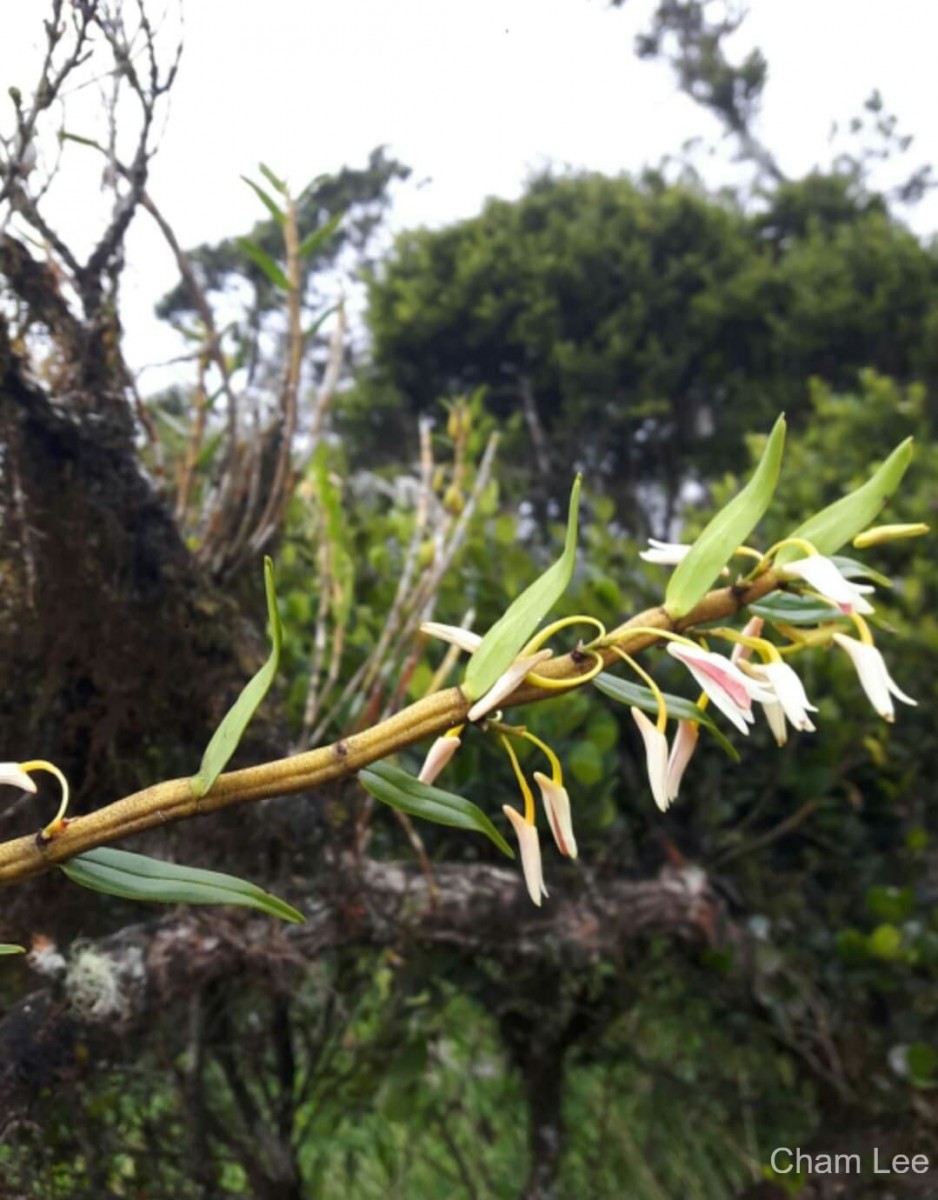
(11, 774)
(824, 576)
(507, 683)
(530, 848)
(682, 748)
(438, 756)
(721, 700)
(656, 758)
(752, 628)
(791, 694)
(722, 670)
(465, 639)
(775, 715)
(730, 690)
(873, 675)
(557, 807)
(667, 554)
(897, 691)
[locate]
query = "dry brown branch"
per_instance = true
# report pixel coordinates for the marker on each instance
(477, 909)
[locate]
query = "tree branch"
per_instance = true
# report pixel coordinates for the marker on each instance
(175, 800)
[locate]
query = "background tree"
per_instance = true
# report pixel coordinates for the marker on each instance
(638, 329)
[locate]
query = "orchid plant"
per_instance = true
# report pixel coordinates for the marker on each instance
(757, 671)
(792, 598)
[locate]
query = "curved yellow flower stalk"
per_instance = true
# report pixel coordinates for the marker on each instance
(17, 775)
(526, 830)
(654, 736)
(554, 795)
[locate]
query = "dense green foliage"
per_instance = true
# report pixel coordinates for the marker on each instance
(646, 326)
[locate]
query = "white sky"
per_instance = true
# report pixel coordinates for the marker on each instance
(474, 95)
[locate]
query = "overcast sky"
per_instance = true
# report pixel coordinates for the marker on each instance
(474, 95)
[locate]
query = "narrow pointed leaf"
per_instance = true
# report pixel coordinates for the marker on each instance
(262, 259)
(268, 201)
(65, 136)
(209, 449)
(841, 521)
(405, 792)
(788, 609)
(274, 180)
(173, 423)
(7, 948)
(314, 328)
(713, 549)
(313, 242)
(636, 695)
(227, 736)
(503, 642)
(139, 877)
(851, 569)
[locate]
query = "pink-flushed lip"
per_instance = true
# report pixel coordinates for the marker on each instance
(557, 832)
(734, 689)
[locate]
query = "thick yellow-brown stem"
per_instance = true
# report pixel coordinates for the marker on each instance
(174, 801)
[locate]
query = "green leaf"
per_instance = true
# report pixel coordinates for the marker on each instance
(262, 259)
(65, 136)
(395, 787)
(841, 521)
(268, 201)
(138, 877)
(209, 449)
(922, 1061)
(313, 329)
(504, 641)
(274, 180)
(636, 695)
(314, 241)
(851, 569)
(885, 942)
(891, 903)
(796, 610)
(226, 737)
(178, 427)
(585, 763)
(7, 948)
(728, 529)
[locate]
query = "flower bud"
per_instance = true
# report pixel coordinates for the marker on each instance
(888, 533)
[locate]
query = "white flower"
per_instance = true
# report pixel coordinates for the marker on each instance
(789, 695)
(775, 716)
(781, 680)
(682, 748)
(557, 807)
(12, 774)
(730, 690)
(752, 629)
(530, 848)
(824, 576)
(668, 554)
(656, 757)
(465, 639)
(874, 676)
(438, 756)
(506, 683)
